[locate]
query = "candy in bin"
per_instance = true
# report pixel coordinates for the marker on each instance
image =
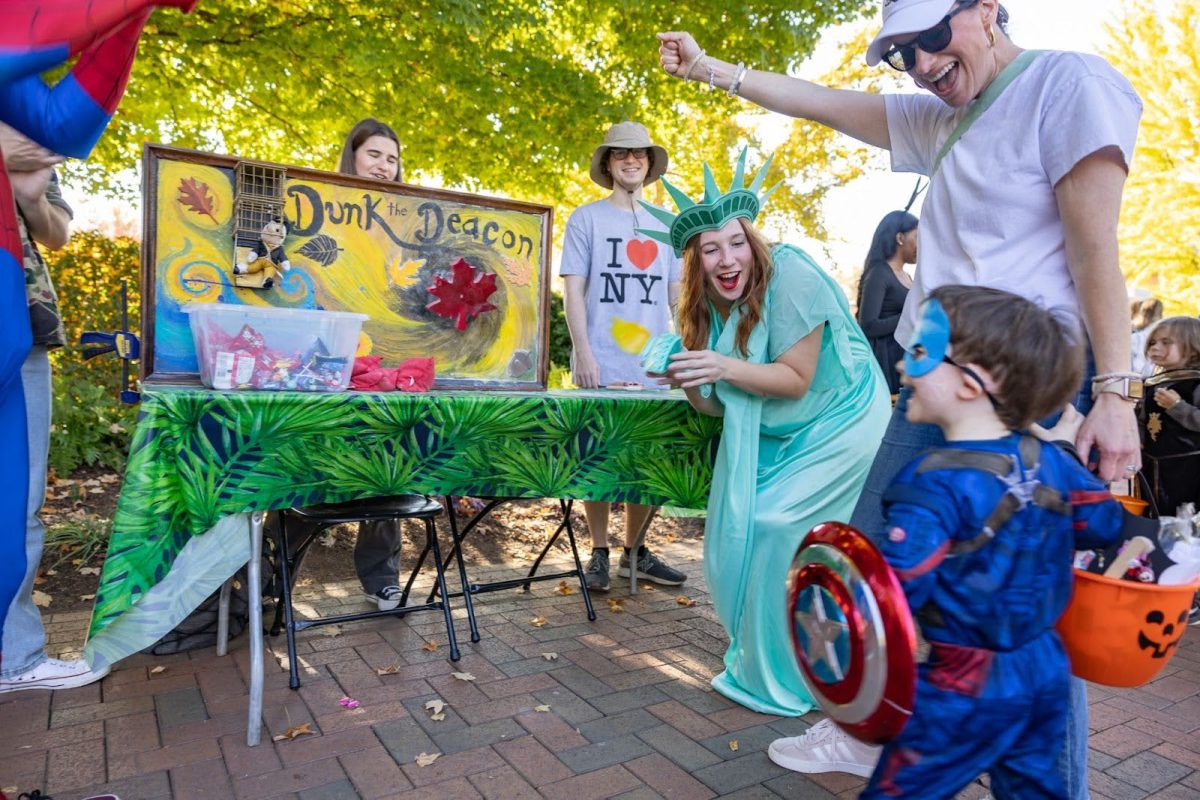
(1140, 570)
(329, 370)
(249, 341)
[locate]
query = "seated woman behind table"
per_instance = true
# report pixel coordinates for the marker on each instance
(773, 349)
(371, 150)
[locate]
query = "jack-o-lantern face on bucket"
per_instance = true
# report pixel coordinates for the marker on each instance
(1159, 641)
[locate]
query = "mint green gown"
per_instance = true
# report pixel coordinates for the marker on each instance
(782, 467)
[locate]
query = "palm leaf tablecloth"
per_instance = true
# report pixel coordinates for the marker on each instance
(202, 460)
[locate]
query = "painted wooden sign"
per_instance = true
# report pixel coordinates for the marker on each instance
(461, 278)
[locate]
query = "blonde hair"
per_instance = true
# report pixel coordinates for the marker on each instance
(693, 314)
(1186, 331)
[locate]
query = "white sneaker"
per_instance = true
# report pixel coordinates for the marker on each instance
(387, 598)
(825, 748)
(53, 673)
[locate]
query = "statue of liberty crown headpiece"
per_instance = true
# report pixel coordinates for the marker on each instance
(716, 209)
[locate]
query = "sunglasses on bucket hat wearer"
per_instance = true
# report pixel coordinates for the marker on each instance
(903, 57)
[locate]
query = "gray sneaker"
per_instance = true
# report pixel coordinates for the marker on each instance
(596, 572)
(650, 567)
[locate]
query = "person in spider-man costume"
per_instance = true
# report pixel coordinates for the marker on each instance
(67, 118)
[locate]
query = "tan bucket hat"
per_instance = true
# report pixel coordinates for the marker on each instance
(629, 135)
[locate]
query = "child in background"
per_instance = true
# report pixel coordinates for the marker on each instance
(981, 533)
(1170, 414)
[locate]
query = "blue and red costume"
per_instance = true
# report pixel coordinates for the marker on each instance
(982, 535)
(67, 118)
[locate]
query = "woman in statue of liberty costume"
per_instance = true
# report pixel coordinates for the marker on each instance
(771, 346)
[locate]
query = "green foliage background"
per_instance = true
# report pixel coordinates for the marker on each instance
(90, 425)
(507, 97)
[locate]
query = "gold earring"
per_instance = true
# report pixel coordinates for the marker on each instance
(991, 36)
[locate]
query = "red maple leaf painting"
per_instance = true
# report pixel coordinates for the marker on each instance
(464, 296)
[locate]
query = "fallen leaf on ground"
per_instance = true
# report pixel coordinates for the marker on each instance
(392, 670)
(328, 540)
(157, 670)
(648, 587)
(538, 622)
(435, 706)
(685, 601)
(430, 646)
(425, 759)
(463, 676)
(349, 702)
(332, 630)
(9, 789)
(438, 717)
(41, 598)
(296, 730)
(87, 597)
(550, 656)
(542, 708)
(51, 572)
(733, 745)
(563, 589)
(615, 606)
(670, 537)
(39, 580)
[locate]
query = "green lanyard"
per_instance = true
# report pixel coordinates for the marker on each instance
(989, 96)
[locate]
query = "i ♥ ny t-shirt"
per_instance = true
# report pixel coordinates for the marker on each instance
(626, 291)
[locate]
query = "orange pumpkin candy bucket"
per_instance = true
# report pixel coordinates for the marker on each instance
(1122, 633)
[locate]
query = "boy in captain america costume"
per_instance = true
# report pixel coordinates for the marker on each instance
(981, 533)
(67, 118)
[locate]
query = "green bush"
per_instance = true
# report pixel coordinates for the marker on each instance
(560, 335)
(91, 426)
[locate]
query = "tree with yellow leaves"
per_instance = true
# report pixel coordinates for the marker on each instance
(1156, 46)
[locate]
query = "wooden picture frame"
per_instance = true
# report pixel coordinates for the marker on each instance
(355, 244)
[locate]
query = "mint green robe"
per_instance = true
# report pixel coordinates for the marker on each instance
(782, 467)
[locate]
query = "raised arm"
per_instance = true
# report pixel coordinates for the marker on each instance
(858, 114)
(40, 34)
(69, 117)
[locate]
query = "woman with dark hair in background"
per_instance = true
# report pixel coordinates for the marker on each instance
(372, 150)
(884, 286)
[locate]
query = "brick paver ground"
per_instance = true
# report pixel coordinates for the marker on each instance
(570, 709)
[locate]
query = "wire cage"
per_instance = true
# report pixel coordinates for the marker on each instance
(258, 199)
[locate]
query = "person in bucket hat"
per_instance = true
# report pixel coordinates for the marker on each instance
(619, 289)
(1027, 155)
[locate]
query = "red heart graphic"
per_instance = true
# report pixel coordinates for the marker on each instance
(641, 253)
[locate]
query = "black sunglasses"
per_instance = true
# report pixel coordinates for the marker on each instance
(903, 57)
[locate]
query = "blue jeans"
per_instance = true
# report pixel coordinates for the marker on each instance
(24, 637)
(902, 442)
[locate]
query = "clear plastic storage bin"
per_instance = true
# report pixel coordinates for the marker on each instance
(263, 347)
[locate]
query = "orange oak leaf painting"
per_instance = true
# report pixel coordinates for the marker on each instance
(195, 197)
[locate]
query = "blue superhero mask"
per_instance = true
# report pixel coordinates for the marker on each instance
(929, 342)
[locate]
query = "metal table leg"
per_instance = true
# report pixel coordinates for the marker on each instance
(254, 577)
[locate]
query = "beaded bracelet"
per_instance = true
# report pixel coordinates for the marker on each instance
(712, 78)
(687, 73)
(742, 69)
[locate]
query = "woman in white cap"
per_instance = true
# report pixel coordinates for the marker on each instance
(1027, 154)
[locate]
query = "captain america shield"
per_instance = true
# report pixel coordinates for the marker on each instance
(852, 632)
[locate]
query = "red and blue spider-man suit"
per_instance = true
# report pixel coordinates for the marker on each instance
(67, 118)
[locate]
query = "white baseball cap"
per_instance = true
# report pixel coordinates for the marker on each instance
(901, 17)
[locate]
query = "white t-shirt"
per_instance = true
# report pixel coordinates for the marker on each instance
(991, 218)
(626, 291)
